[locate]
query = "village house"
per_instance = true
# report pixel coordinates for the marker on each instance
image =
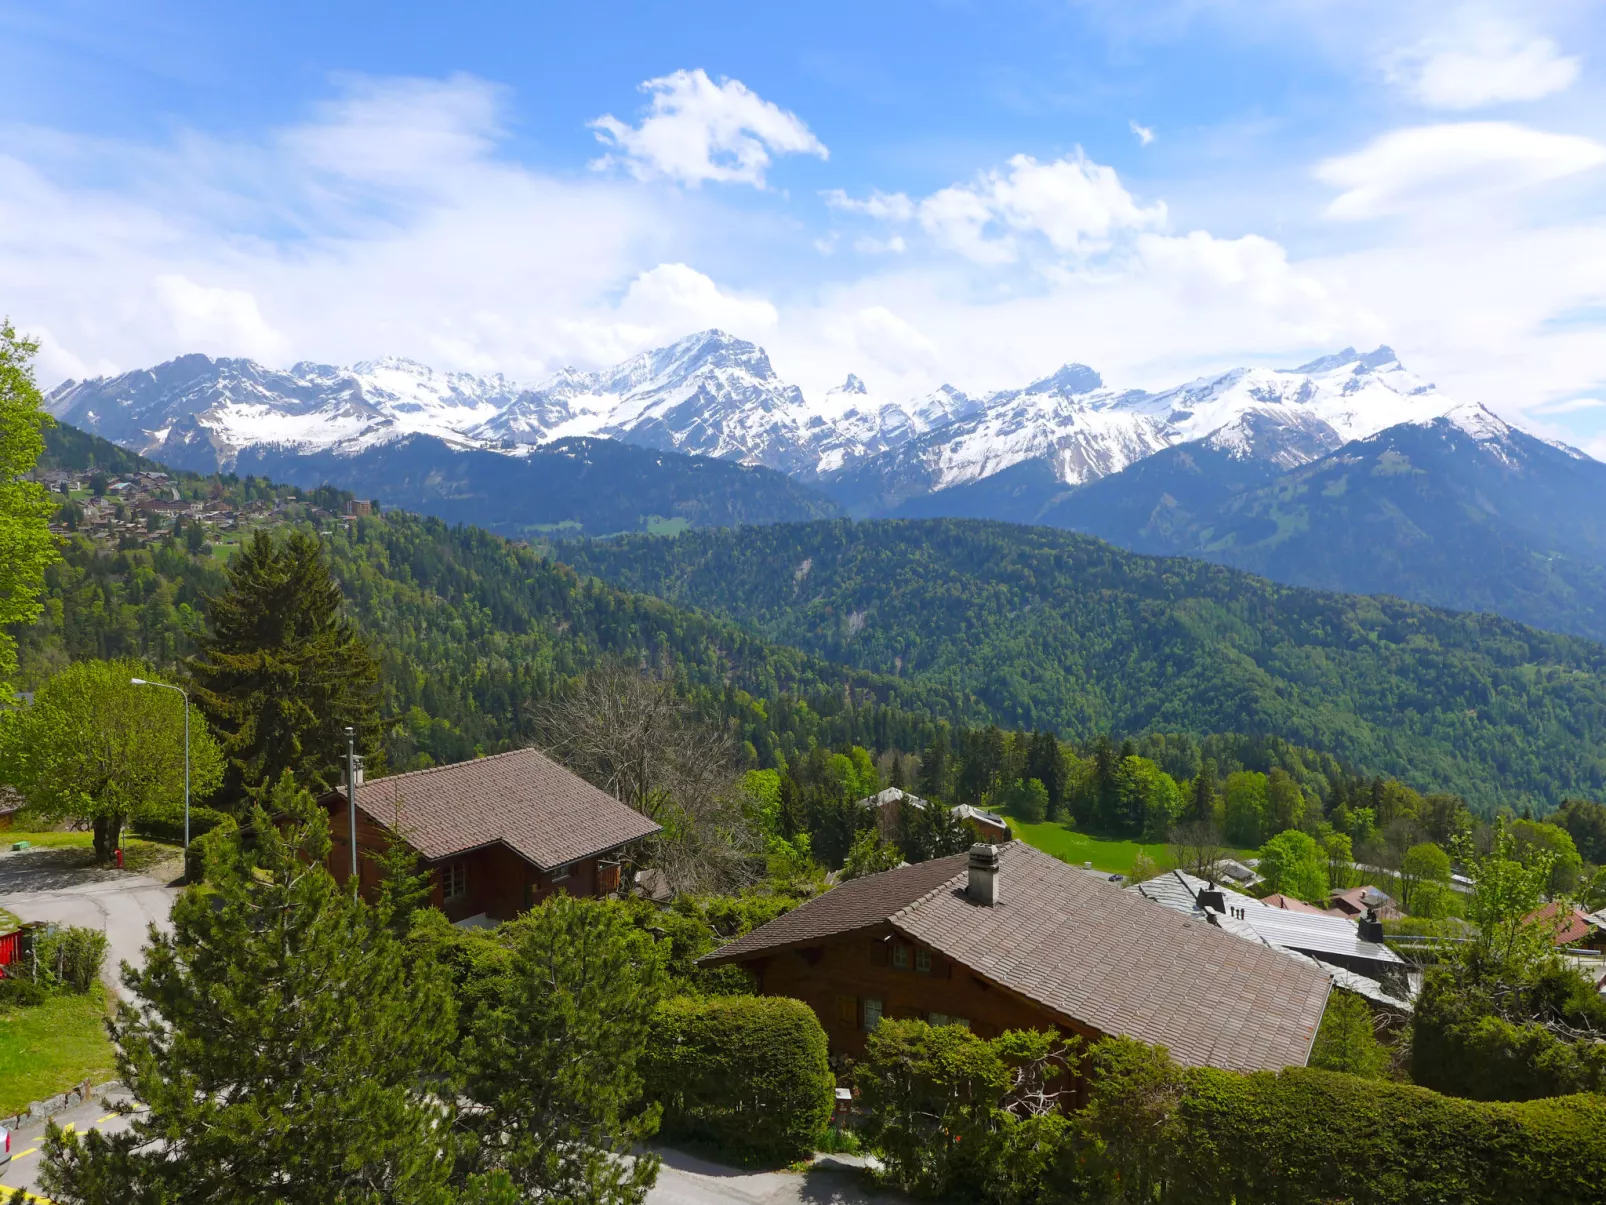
(1007, 937)
(888, 806)
(498, 834)
(1571, 926)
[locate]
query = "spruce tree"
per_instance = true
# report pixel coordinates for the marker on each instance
(281, 673)
(279, 1042)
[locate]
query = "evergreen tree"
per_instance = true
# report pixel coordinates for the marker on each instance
(1045, 763)
(554, 1070)
(280, 672)
(933, 780)
(1202, 799)
(280, 1044)
(791, 816)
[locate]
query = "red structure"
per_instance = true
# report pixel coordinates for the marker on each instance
(499, 834)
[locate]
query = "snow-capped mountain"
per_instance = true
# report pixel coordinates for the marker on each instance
(715, 395)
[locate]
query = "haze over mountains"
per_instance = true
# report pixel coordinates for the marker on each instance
(1348, 472)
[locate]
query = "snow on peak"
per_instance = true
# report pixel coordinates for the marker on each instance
(853, 384)
(1071, 379)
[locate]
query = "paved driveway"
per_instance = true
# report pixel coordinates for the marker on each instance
(56, 885)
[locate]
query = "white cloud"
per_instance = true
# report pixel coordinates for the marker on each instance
(210, 316)
(698, 130)
(1206, 269)
(887, 207)
(1077, 206)
(1145, 133)
(1484, 62)
(674, 297)
(1574, 405)
(1433, 166)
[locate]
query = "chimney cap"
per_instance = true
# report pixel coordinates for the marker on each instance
(982, 854)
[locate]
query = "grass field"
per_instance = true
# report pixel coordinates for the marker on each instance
(138, 853)
(1106, 853)
(49, 1047)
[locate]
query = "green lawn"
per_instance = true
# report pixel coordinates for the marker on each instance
(138, 853)
(1105, 853)
(657, 525)
(50, 1047)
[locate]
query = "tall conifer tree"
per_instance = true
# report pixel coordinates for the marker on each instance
(281, 672)
(280, 1043)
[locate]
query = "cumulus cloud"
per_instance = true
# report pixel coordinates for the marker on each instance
(1145, 133)
(1435, 165)
(211, 316)
(698, 130)
(1485, 62)
(1077, 206)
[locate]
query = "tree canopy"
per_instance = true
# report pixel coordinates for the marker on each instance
(26, 545)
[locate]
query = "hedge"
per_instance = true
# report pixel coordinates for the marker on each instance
(1154, 1132)
(1306, 1135)
(167, 823)
(746, 1074)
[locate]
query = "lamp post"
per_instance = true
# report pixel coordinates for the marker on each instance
(185, 696)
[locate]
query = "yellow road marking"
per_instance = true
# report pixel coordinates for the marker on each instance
(107, 1118)
(32, 1150)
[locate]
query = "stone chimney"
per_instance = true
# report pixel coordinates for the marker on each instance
(983, 887)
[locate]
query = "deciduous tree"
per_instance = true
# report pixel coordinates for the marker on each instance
(94, 748)
(26, 545)
(1292, 863)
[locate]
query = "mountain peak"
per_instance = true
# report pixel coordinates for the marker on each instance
(1384, 354)
(1072, 378)
(853, 384)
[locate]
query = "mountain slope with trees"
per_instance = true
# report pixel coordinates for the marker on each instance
(1054, 630)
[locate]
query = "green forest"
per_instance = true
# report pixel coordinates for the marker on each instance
(1034, 628)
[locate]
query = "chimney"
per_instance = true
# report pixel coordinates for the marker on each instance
(357, 771)
(983, 888)
(1212, 899)
(1371, 929)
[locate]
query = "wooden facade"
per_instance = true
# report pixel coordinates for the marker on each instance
(492, 881)
(854, 979)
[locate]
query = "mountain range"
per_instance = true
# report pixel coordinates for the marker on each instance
(1348, 472)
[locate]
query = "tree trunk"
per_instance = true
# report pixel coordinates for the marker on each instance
(108, 831)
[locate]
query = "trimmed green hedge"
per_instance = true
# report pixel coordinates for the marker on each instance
(1165, 1135)
(1322, 1135)
(167, 824)
(747, 1074)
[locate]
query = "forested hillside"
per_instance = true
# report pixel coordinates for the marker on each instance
(1050, 629)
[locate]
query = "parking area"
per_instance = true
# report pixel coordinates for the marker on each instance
(62, 885)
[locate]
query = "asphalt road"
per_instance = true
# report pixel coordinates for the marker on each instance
(55, 885)
(684, 1179)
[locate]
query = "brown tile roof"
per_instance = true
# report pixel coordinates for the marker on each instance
(856, 904)
(522, 799)
(1091, 953)
(1572, 925)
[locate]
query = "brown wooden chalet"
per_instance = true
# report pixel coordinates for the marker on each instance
(1007, 937)
(499, 834)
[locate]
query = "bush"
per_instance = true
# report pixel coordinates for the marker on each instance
(1461, 1047)
(747, 1074)
(1347, 1040)
(70, 956)
(942, 1120)
(20, 992)
(1307, 1135)
(167, 823)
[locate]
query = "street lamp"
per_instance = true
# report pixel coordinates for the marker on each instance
(186, 697)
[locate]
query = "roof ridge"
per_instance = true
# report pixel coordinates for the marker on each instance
(454, 765)
(940, 887)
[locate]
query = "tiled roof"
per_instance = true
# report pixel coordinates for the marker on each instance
(856, 904)
(1574, 925)
(1087, 951)
(523, 799)
(1289, 904)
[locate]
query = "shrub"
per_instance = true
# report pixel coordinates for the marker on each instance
(747, 1074)
(1347, 1040)
(70, 956)
(1460, 1046)
(167, 823)
(20, 992)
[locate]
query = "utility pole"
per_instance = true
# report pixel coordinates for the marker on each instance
(351, 799)
(185, 696)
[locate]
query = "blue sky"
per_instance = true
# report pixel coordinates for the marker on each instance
(913, 192)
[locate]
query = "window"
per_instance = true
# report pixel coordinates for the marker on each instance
(561, 873)
(900, 956)
(945, 1019)
(872, 1013)
(847, 1010)
(454, 881)
(923, 961)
